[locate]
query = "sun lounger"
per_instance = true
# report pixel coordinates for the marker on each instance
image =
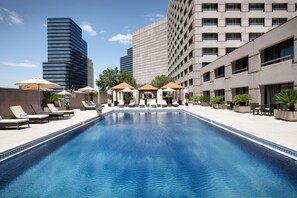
(132, 103)
(13, 122)
(121, 104)
(53, 109)
(164, 103)
(174, 103)
(38, 110)
(153, 104)
(19, 113)
(87, 106)
(142, 103)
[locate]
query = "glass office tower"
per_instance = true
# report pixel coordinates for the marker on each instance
(126, 62)
(67, 54)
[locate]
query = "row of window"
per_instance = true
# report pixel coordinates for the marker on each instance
(185, 72)
(221, 92)
(237, 21)
(252, 6)
(229, 36)
(277, 53)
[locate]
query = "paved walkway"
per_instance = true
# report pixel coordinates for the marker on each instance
(266, 127)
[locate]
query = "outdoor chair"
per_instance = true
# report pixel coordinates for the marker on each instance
(19, 113)
(255, 108)
(38, 110)
(230, 105)
(121, 104)
(132, 103)
(175, 103)
(87, 106)
(164, 103)
(141, 103)
(270, 109)
(4, 123)
(153, 103)
(53, 109)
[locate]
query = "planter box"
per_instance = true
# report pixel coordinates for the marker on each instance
(204, 104)
(218, 106)
(285, 115)
(242, 109)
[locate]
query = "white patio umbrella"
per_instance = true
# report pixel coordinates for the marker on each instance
(169, 90)
(64, 93)
(126, 90)
(38, 83)
(88, 90)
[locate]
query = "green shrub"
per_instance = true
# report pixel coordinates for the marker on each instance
(216, 100)
(288, 97)
(204, 98)
(242, 99)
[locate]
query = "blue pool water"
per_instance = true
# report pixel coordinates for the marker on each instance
(142, 154)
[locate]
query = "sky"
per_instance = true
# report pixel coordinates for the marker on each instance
(107, 28)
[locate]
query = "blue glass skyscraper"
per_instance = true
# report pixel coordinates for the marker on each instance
(67, 54)
(126, 62)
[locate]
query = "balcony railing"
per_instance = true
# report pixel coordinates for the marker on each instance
(277, 60)
(239, 70)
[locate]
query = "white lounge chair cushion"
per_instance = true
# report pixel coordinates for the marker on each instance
(3, 121)
(23, 115)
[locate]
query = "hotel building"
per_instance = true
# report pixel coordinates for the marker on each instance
(67, 54)
(200, 32)
(150, 52)
(126, 62)
(261, 67)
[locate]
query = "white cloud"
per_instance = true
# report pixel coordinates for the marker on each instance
(44, 25)
(102, 32)
(154, 16)
(26, 64)
(12, 17)
(88, 29)
(121, 38)
(1, 17)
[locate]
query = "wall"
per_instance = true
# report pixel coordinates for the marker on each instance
(11, 97)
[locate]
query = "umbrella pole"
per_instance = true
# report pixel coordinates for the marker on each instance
(39, 95)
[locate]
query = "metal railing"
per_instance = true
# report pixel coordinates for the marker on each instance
(277, 60)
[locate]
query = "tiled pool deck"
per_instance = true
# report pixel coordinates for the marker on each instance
(266, 127)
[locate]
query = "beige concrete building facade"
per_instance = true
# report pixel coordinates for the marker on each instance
(201, 31)
(262, 67)
(150, 54)
(90, 73)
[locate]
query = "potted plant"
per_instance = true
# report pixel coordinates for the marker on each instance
(204, 100)
(288, 97)
(50, 97)
(241, 103)
(217, 102)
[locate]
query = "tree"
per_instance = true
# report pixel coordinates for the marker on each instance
(160, 81)
(113, 77)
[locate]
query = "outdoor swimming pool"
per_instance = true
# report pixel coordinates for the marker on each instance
(148, 154)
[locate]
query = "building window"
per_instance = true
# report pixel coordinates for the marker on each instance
(206, 93)
(278, 21)
(240, 65)
(233, 21)
(190, 68)
(219, 72)
(220, 92)
(277, 53)
(256, 6)
(186, 83)
(233, 7)
(204, 64)
(209, 7)
(210, 36)
(230, 49)
(233, 36)
(206, 77)
(191, 55)
(279, 6)
(191, 82)
(186, 71)
(254, 35)
(210, 21)
(296, 7)
(241, 90)
(256, 21)
(209, 51)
